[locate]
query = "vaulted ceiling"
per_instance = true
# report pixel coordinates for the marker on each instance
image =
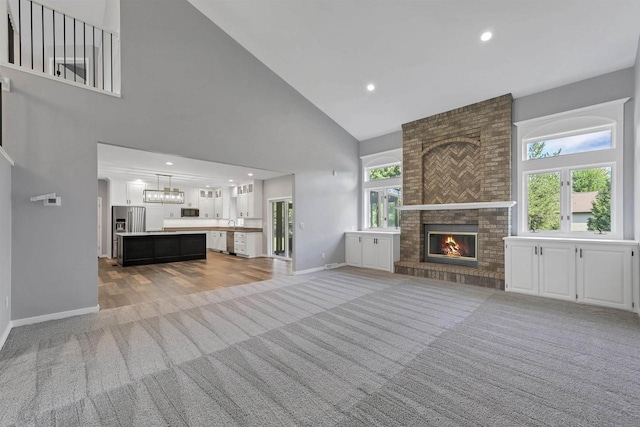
(426, 57)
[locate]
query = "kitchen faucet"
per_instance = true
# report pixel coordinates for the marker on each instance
(232, 221)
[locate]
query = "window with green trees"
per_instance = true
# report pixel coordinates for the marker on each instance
(570, 173)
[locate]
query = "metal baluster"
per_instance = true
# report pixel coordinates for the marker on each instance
(42, 37)
(102, 46)
(64, 40)
(75, 58)
(84, 50)
(111, 47)
(20, 28)
(31, 22)
(93, 55)
(53, 19)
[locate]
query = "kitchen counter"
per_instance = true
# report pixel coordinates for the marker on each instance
(158, 247)
(236, 229)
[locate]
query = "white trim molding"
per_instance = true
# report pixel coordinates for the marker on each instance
(55, 316)
(5, 334)
(6, 156)
(458, 206)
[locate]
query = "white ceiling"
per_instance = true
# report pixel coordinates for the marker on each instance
(128, 164)
(426, 56)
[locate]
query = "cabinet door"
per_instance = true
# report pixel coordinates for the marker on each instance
(604, 275)
(222, 242)
(210, 238)
(369, 252)
(135, 193)
(118, 193)
(171, 211)
(558, 270)
(241, 210)
(522, 267)
(155, 217)
(206, 208)
(353, 250)
(217, 208)
(383, 245)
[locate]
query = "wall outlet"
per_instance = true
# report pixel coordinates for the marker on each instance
(322, 255)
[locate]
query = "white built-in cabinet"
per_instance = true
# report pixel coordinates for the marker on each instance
(154, 216)
(221, 199)
(205, 203)
(191, 198)
(249, 200)
(247, 245)
(171, 211)
(377, 250)
(124, 193)
(588, 271)
(217, 241)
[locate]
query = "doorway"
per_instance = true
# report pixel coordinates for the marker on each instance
(281, 228)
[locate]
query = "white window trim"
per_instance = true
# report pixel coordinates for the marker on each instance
(378, 160)
(608, 115)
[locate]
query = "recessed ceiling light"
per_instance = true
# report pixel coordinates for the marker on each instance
(207, 186)
(230, 180)
(138, 180)
(486, 36)
(169, 164)
(371, 87)
(250, 174)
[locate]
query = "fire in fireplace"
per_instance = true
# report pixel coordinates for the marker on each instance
(451, 244)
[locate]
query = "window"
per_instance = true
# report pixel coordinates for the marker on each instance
(570, 179)
(382, 185)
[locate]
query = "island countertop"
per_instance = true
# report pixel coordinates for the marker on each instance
(156, 233)
(236, 229)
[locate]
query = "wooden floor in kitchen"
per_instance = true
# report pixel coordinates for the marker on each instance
(120, 286)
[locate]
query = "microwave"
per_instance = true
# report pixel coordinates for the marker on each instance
(189, 212)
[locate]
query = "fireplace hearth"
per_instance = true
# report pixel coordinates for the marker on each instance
(451, 244)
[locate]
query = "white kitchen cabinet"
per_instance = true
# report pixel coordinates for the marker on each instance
(210, 239)
(249, 200)
(219, 241)
(154, 217)
(124, 193)
(587, 271)
(206, 193)
(206, 208)
(171, 211)
(353, 250)
(221, 200)
(605, 275)
(247, 245)
(191, 198)
(372, 249)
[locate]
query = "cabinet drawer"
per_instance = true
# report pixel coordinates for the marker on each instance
(241, 250)
(243, 235)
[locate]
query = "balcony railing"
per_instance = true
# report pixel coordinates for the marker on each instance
(52, 42)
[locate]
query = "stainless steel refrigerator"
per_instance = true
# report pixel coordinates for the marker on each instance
(130, 219)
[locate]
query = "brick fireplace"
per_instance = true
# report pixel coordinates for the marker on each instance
(462, 156)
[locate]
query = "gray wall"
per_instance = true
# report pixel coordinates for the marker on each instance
(103, 191)
(608, 87)
(188, 89)
(390, 141)
(281, 187)
(5, 242)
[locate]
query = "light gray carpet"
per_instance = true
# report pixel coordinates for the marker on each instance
(346, 347)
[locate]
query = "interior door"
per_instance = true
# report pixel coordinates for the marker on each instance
(281, 228)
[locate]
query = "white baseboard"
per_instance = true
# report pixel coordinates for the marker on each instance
(55, 316)
(5, 334)
(313, 270)
(103, 256)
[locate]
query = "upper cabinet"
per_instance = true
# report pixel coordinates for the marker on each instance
(206, 203)
(249, 200)
(126, 193)
(191, 198)
(221, 202)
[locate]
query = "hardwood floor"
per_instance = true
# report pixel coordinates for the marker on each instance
(121, 286)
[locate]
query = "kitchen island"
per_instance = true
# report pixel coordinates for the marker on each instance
(158, 247)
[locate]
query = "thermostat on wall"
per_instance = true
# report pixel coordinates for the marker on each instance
(48, 199)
